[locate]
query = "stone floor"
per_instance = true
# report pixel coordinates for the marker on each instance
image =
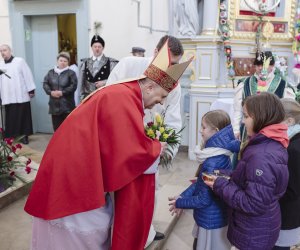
(15, 224)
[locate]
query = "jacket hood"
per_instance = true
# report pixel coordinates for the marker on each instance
(224, 139)
(277, 132)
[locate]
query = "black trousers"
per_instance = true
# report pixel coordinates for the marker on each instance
(18, 119)
(57, 120)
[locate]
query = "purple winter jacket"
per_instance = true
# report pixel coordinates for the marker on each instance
(252, 193)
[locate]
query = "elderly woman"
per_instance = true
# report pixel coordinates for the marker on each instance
(60, 84)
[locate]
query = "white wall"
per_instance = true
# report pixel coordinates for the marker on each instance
(5, 35)
(120, 29)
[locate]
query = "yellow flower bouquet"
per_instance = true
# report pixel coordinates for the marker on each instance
(157, 129)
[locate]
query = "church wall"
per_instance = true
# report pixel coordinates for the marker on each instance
(120, 29)
(5, 35)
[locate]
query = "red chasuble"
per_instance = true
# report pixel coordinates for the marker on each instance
(101, 147)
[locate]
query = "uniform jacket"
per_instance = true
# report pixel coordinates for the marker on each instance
(253, 192)
(277, 86)
(66, 82)
(89, 78)
(209, 211)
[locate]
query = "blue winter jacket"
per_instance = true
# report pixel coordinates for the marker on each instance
(209, 211)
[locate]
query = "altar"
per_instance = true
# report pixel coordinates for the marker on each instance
(223, 45)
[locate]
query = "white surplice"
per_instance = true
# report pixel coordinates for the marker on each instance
(88, 230)
(15, 89)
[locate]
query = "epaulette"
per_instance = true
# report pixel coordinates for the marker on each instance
(113, 60)
(84, 59)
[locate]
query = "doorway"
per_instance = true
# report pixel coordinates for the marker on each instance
(50, 35)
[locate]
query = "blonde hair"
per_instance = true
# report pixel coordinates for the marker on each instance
(291, 109)
(217, 119)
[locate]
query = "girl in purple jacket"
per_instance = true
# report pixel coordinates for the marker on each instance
(260, 179)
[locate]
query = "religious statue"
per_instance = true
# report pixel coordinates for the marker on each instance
(187, 17)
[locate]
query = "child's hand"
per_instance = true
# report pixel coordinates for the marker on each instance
(210, 182)
(172, 205)
(174, 198)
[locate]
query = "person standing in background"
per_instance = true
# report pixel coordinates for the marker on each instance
(16, 92)
(290, 202)
(137, 51)
(60, 84)
(95, 70)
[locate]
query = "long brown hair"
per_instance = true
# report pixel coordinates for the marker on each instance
(265, 109)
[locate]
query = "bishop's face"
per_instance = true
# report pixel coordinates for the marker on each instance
(153, 94)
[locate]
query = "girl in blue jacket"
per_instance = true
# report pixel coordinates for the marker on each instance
(210, 212)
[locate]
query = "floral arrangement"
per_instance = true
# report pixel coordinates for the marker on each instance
(10, 161)
(224, 31)
(157, 129)
(296, 47)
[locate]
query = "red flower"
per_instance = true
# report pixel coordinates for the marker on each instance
(9, 141)
(14, 149)
(1, 130)
(28, 161)
(9, 158)
(28, 169)
(12, 173)
(19, 146)
(150, 124)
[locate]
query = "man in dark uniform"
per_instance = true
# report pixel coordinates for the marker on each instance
(95, 70)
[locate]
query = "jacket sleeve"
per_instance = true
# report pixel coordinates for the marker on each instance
(293, 189)
(72, 78)
(259, 191)
(195, 201)
(189, 191)
(46, 84)
(204, 197)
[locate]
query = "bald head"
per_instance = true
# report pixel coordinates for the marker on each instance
(5, 51)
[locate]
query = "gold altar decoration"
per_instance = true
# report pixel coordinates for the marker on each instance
(244, 23)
